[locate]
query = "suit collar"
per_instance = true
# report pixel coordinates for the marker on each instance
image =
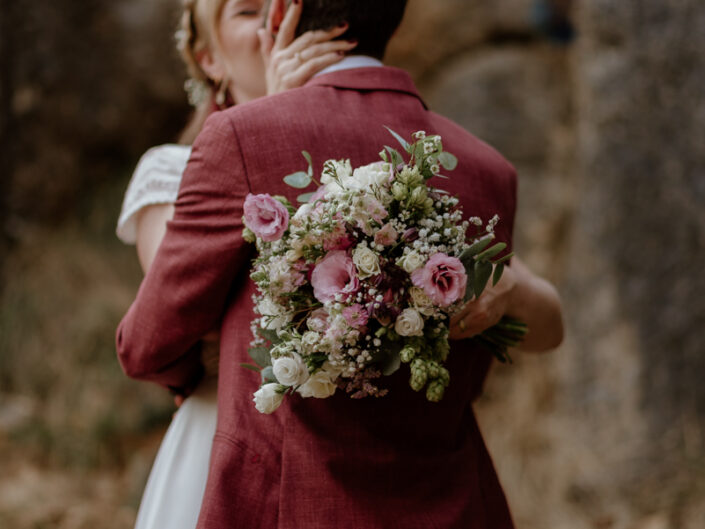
(375, 78)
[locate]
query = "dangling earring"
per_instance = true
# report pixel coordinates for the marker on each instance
(221, 94)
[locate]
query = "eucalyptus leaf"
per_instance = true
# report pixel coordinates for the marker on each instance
(504, 259)
(394, 155)
(483, 271)
(476, 248)
(269, 335)
(305, 198)
(260, 355)
(392, 365)
(268, 375)
(492, 251)
(251, 367)
(469, 265)
(401, 140)
(448, 161)
(310, 162)
(498, 270)
(298, 180)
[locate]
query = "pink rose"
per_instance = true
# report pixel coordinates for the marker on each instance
(386, 236)
(335, 274)
(266, 217)
(356, 316)
(443, 279)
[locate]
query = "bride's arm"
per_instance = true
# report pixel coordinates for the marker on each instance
(151, 227)
(522, 295)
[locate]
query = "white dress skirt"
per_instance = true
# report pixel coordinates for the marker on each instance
(174, 492)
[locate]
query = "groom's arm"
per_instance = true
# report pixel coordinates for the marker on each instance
(183, 295)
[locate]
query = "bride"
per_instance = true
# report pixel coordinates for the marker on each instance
(231, 59)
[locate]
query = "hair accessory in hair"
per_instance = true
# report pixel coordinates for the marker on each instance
(197, 91)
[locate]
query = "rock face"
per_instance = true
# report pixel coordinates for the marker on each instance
(607, 132)
(608, 136)
(93, 83)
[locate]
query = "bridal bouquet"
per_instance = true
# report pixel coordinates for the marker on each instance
(364, 276)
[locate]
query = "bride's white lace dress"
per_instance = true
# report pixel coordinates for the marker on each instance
(174, 492)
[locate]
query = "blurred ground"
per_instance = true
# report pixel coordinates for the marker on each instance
(598, 103)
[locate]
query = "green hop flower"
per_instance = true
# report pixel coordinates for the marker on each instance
(418, 196)
(410, 176)
(407, 354)
(249, 235)
(442, 347)
(400, 191)
(435, 391)
(444, 376)
(433, 369)
(419, 375)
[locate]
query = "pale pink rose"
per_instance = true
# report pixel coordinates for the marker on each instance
(386, 236)
(266, 217)
(335, 274)
(443, 279)
(356, 316)
(318, 195)
(375, 209)
(318, 320)
(338, 239)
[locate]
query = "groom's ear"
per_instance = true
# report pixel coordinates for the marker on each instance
(277, 11)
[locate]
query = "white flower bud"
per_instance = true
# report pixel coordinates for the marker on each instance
(268, 398)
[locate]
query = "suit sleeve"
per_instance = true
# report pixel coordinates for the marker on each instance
(183, 296)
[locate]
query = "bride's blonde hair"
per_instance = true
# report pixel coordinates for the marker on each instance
(197, 32)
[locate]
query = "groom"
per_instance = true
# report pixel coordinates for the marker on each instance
(337, 463)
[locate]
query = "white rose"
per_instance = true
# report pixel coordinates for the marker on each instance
(409, 323)
(374, 174)
(279, 270)
(267, 398)
(310, 338)
(274, 316)
(366, 262)
(290, 371)
(412, 261)
(320, 385)
(302, 212)
(421, 301)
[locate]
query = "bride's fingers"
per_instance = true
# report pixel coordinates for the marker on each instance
(266, 43)
(287, 30)
(324, 48)
(303, 73)
(316, 36)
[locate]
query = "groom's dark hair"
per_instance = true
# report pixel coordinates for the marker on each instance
(372, 22)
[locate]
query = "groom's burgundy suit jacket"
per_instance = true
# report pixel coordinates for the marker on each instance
(336, 463)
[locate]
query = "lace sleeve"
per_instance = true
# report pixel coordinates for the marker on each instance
(156, 180)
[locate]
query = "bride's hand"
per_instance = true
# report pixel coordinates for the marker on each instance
(291, 63)
(484, 312)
